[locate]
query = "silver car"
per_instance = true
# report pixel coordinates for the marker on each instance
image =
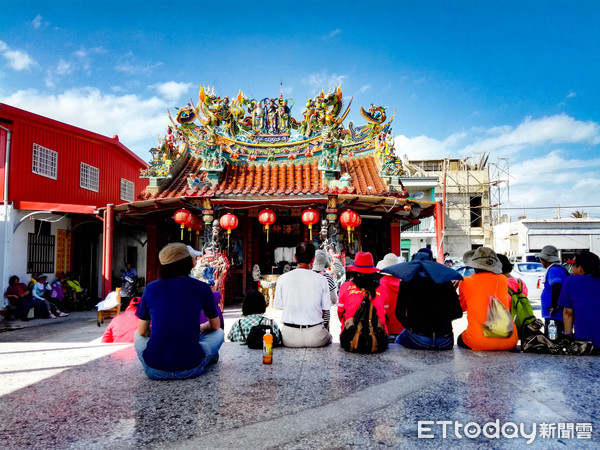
(532, 274)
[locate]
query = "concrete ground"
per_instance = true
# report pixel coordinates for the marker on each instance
(61, 388)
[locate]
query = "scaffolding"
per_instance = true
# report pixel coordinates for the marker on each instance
(500, 190)
(465, 184)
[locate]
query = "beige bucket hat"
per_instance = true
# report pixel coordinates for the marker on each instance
(483, 258)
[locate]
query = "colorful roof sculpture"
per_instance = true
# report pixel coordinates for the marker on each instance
(244, 146)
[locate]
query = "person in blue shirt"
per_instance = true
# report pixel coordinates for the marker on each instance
(171, 340)
(130, 271)
(556, 275)
(580, 298)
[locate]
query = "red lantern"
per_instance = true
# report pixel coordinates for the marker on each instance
(182, 216)
(310, 217)
(350, 220)
(267, 218)
(228, 222)
(192, 223)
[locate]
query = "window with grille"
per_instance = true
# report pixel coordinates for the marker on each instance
(44, 161)
(89, 177)
(40, 249)
(127, 188)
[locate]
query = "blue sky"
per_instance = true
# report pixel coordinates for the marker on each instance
(515, 79)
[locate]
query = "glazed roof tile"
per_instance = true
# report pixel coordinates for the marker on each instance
(276, 179)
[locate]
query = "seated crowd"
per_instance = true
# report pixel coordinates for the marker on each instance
(410, 303)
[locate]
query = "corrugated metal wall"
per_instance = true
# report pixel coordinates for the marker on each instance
(72, 149)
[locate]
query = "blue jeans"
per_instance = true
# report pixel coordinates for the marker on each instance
(418, 342)
(210, 343)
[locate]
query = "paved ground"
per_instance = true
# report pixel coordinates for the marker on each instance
(61, 388)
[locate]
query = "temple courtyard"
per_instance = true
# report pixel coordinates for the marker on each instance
(61, 388)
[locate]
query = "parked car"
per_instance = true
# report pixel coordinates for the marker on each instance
(532, 274)
(526, 257)
(465, 271)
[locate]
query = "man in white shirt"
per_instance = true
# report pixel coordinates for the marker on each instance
(304, 297)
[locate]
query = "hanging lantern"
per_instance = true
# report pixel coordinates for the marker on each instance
(267, 218)
(310, 217)
(192, 223)
(228, 222)
(350, 220)
(182, 216)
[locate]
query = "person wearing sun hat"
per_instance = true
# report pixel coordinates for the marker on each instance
(364, 276)
(556, 274)
(177, 345)
(474, 294)
(391, 285)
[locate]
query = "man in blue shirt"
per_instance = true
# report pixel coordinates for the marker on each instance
(580, 297)
(556, 275)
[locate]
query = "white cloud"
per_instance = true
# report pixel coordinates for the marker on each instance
(571, 94)
(171, 90)
(17, 60)
(557, 129)
(63, 67)
(137, 121)
(423, 147)
(37, 21)
(334, 33)
(321, 80)
(364, 88)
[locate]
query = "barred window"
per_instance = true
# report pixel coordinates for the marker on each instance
(89, 177)
(44, 161)
(40, 249)
(127, 188)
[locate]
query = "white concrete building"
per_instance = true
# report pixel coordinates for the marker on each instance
(530, 235)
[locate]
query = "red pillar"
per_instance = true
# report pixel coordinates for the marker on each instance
(395, 240)
(439, 231)
(107, 250)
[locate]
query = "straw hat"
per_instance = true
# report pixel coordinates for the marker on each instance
(363, 263)
(173, 252)
(483, 258)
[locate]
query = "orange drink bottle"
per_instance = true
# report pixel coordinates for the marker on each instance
(268, 348)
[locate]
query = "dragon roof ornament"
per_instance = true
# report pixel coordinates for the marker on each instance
(254, 131)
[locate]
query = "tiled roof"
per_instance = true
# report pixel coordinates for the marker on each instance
(277, 179)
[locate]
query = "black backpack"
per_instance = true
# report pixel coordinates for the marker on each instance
(255, 337)
(362, 333)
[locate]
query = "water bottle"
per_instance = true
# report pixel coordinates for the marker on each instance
(268, 347)
(552, 330)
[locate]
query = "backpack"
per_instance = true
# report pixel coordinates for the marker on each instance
(521, 311)
(362, 333)
(255, 337)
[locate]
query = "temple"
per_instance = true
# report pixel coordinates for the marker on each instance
(243, 181)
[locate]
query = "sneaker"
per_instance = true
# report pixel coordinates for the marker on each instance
(214, 360)
(62, 314)
(52, 316)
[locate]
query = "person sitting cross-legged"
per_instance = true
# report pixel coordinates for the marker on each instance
(177, 345)
(304, 297)
(253, 308)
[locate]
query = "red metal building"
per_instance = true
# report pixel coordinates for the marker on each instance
(54, 177)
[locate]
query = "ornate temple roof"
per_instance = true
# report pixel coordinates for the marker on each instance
(255, 150)
(276, 179)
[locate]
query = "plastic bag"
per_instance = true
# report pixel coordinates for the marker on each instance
(498, 323)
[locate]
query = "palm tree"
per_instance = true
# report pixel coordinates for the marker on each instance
(577, 214)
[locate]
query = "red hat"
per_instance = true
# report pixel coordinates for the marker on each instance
(363, 263)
